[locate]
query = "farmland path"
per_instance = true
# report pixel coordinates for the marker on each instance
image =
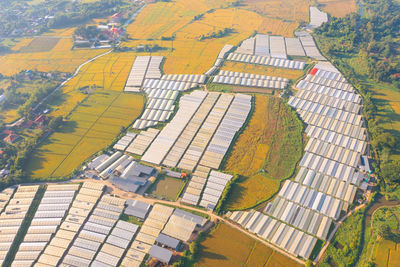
(69, 78)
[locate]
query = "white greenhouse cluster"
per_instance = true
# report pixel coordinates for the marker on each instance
(317, 17)
(268, 48)
(125, 141)
(60, 246)
(13, 214)
(143, 67)
(164, 227)
(328, 178)
(309, 45)
(205, 188)
(280, 234)
(201, 131)
(267, 61)
(250, 80)
(51, 211)
(161, 96)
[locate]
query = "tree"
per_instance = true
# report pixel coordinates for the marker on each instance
(308, 263)
(391, 172)
(55, 122)
(383, 230)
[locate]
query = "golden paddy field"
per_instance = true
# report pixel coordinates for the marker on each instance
(90, 127)
(226, 246)
(338, 8)
(266, 152)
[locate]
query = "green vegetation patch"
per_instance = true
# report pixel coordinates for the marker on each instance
(167, 187)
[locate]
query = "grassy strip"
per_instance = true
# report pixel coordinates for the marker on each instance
(24, 227)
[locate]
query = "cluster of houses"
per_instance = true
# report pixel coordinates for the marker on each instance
(108, 33)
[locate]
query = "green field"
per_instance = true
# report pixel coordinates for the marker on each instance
(167, 187)
(90, 127)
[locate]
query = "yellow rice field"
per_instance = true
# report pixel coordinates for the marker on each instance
(90, 127)
(338, 8)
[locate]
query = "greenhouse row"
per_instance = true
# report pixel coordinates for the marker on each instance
(277, 47)
(251, 75)
(232, 122)
(325, 100)
(188, 134)
(161, 97)
(195, 186)
(142, 141)
(327, 111)
(220, 59)
(13, 216)
(310, 199)
(143, 67)
(280, 234)
(304, 219)
(184, 140)
(346, 92)
(249, 82)
(51, 210)
(330, 81)
(327, 166)
(193, 154)
(267, 61)
(338, 139)
(94, 232)
(338, 153)
(125, 141)
(310, 47)
(189, 78)
(188, 105)
(215, 186)
(317, 17)
(82, 205)
(328, 185)
(116, 244)
(294, 47)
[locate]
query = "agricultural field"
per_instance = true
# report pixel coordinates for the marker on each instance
(40, 44)
(293, 11)
(225, 246)
(59, 58)
(167, 187)
(93, 124)
(291, 74)
(338, 8)
(186, 53)
(265, 153)
(386, 251)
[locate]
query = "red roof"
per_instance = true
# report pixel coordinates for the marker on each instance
(313, 71)
(397, 75)
(28, 124)
(8, 132)
(1, 152)
(11, 138)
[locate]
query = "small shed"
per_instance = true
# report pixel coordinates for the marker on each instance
(161, 254)
(167, 241)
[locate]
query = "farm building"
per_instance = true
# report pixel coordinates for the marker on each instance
(161, 254)
(137, 208)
